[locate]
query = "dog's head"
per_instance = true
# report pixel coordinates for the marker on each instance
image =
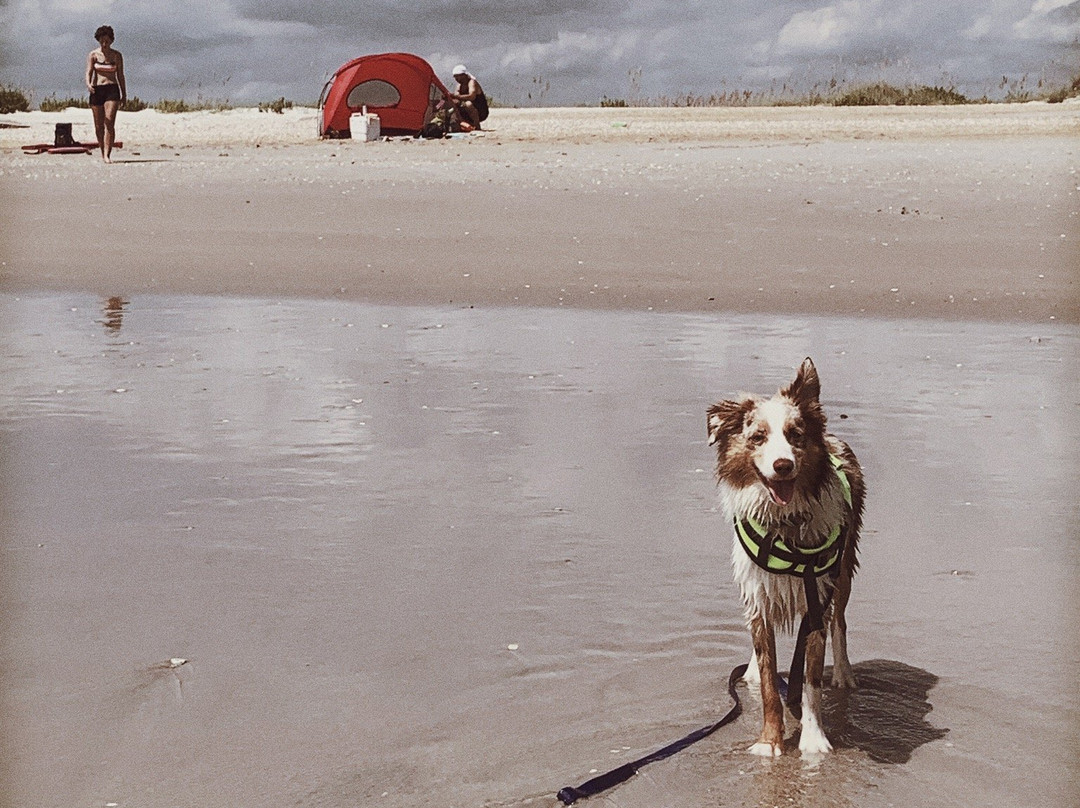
(773, 442)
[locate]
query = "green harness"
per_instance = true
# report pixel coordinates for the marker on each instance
(769, 551)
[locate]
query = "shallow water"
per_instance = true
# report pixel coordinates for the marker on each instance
(328, 554)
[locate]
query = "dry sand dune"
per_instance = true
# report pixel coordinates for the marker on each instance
(237, 127)
(926, 212)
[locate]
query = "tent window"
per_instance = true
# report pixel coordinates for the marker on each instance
(373, 93)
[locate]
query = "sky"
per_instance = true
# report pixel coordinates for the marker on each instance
(547, 52)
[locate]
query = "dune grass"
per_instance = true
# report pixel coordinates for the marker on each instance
(834, 93)
(13, 99)
(200, 104)
(1069, 91)
(51, 103)
(879, 94)
(887, 95)
(279, 106)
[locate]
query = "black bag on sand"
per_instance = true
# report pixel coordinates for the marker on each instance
(63, 135)
(437, 127)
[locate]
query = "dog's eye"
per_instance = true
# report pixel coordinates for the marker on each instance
(756, 438)
(796, 437)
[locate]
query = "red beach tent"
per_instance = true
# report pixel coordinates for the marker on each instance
(400, 88)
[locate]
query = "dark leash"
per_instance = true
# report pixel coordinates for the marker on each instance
(571, 794)
(790, 692)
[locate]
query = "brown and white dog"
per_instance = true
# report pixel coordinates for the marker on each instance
(780, 471)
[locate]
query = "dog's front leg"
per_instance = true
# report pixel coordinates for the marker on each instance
(771, 743)
(812, 741)
(842, 675)
(753, 672)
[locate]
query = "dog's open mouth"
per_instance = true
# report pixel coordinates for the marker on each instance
(781, 491)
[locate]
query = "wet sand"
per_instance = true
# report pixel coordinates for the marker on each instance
(439, 556)
(282, 528)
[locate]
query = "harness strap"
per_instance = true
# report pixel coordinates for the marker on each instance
(813, 620)
(769, 551)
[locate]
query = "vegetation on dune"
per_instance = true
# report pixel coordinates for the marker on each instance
(172, 105)
(833, 93)
(198, 105)
(882, 94)
(13, 100)
(279, 106)
(51, 103)
(1069, 91)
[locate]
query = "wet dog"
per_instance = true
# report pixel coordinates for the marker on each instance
(795, 495)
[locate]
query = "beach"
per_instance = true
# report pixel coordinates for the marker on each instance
(924, 212)
(342, 473)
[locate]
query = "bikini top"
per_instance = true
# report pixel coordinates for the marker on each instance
(105, 67)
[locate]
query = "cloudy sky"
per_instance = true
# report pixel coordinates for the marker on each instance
(548, 52)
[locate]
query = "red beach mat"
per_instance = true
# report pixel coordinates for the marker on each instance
(51, 148)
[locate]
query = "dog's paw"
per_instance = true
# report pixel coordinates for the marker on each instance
(813, 742)
(766, 749)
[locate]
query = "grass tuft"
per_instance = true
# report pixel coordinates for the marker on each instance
(51, 103)
(883, 94)
(199, 105)
(838, 92)
(13, 99)
(279, 106)
(1066, 92)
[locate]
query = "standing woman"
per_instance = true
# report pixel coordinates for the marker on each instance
(108, 89)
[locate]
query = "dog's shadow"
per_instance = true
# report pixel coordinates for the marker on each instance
(885, 717)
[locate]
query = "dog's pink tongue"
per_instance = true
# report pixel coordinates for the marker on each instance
(782, 491)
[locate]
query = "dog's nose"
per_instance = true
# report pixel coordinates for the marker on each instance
(783, 466)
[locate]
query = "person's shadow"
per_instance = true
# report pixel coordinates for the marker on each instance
(885, 716)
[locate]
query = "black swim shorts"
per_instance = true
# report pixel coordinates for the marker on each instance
(104, 92)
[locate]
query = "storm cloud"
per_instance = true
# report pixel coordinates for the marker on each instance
(547, 51)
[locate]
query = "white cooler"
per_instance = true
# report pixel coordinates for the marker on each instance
(364, 126)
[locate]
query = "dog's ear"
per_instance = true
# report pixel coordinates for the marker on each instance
(725, 418)
(806, 389)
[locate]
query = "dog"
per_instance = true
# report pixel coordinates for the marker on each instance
(795, 495)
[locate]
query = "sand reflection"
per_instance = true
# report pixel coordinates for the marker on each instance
(456, 557)
(114, 314)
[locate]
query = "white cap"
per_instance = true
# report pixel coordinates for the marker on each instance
(460, 70)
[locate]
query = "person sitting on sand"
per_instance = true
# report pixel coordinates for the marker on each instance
(471, 102)
(108, 88)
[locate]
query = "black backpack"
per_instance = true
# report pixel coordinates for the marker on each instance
(63, 135)
(437, 127)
